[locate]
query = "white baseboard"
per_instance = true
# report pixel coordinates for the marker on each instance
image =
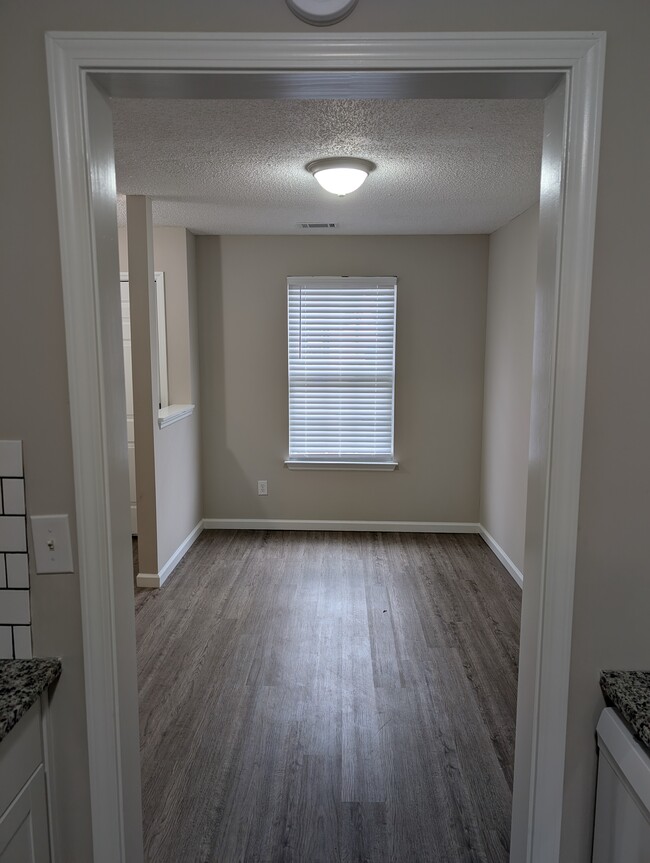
(154, 580)
(313, 524)
(503, 557)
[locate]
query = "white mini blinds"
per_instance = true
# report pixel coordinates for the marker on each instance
(341, 370)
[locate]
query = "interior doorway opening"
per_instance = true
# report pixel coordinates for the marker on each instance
(561, 329)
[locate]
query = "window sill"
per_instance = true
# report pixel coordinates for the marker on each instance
(172, 414)
(294, 464)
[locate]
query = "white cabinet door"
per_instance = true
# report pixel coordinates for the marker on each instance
(23, 827)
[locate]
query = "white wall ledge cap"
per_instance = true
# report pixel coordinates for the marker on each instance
(172, 414)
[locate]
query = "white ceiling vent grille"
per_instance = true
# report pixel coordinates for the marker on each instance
(318, 225)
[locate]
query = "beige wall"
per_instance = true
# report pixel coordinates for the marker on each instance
(177, 453)
(438, 387)
(612, 594)
(143, 319)
(171, 255)
(510, 316)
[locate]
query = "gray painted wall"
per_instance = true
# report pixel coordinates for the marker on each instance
(441, 293)
(612, 593)
(512, 274)
(177, 457)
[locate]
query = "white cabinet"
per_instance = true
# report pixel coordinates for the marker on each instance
(23, 827)
(622, 825)
(24, 833)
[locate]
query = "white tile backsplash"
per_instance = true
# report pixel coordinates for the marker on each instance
(22, 642)
(11, 458)
(6, 643)
(14, 607)
(13, 495)
(17, 570)
(13, 536)
(15, 611)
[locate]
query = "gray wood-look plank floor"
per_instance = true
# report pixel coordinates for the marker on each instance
(321, 697)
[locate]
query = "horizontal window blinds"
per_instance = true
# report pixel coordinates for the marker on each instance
(341, 368)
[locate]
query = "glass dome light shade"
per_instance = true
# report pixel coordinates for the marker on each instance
(340, 176)
(340, 181)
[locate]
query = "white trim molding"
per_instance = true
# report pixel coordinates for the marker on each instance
(316, 524)
(173, 413)
(50, 792)
(577, 58)
(157, 579)
(297, 464)
(494, 546)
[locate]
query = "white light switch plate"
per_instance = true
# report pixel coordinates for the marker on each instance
(52, 548)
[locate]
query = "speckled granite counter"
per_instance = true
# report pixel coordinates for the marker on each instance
(21, 684)
(629, 693)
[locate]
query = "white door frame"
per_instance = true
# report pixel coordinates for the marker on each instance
(579, 57)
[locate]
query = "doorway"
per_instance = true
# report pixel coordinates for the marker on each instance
(81, 121)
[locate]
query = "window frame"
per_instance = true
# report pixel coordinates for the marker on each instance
(383, 464)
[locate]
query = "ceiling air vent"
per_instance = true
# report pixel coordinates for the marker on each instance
(320, 225)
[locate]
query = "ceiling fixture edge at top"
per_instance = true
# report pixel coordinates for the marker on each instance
(321, 13)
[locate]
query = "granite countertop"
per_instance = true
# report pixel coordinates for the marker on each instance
(629, 693)
(21, 683)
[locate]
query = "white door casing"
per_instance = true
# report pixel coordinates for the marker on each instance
(579, 58)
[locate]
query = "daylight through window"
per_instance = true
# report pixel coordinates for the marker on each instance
(341, 370)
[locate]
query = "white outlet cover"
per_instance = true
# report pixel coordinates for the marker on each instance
(52, 547)
(321, 12)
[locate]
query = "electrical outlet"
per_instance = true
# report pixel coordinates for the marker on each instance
(262, 486)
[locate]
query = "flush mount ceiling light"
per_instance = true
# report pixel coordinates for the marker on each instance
(321, 12)
(340, 175)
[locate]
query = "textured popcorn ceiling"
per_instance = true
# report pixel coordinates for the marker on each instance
(236, 166)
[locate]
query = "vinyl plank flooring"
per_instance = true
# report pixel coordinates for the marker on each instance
(316, 697)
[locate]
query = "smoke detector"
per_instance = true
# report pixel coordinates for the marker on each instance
(321, 13)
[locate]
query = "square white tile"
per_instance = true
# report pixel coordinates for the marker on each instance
(12, 533)
(14, 607)
(17, 570)
(13, 493)
(11, 458)
(6, 643)
(22, 642)
(3, 572)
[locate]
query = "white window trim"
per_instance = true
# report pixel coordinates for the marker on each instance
(368, 463)
(296, 464)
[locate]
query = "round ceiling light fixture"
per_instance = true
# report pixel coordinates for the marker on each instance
(321, 13)
(340, 175)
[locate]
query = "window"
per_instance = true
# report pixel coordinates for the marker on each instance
(341, 371)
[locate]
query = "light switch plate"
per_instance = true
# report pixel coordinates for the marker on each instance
(52, 547)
